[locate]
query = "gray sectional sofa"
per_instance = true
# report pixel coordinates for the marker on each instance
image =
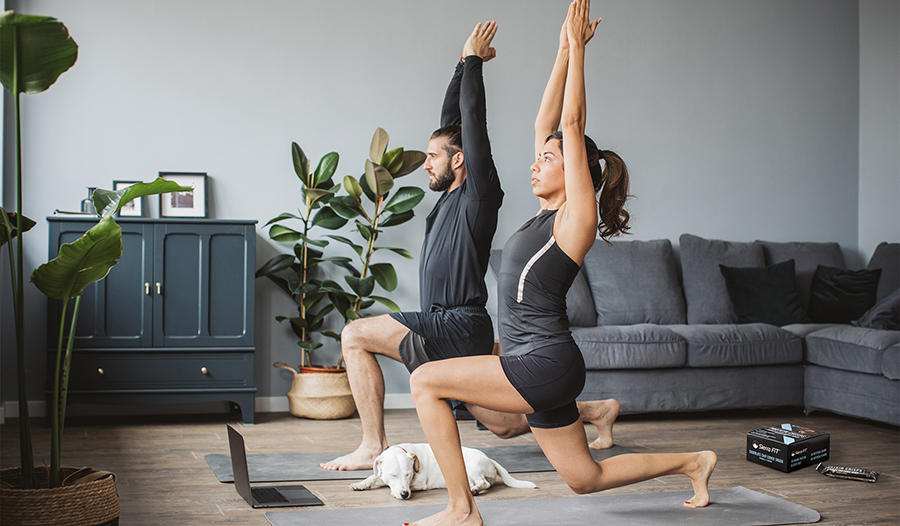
(662, 336)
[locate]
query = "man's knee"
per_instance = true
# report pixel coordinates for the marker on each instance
(422, 381)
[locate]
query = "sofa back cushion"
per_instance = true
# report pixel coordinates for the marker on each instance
(704, 286)
(579, 305)
(807, 256)
(887, 258)
(635, 282)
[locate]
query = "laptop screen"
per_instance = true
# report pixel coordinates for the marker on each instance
(239, 464)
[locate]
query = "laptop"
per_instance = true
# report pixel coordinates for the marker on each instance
(268, 496)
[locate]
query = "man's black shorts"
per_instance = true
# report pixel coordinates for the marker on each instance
(444, 333)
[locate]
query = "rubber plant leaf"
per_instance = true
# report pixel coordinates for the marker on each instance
(45, 51)
(282, 217)
(327, 218)
(393, 159)
(327, 166)
(283, 234)
(411, 160)
(385, 275)
(80, 263)
(398, 219)
(301, 163)
(8, 230)
(276, 264)
(378, 178)
(379, 145)
(346, 206)
(402, 251)
(405, 199)
(387, 303)
(352, 187)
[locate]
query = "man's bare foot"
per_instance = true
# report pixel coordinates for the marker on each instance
(705, 464)
(450, 517)
(362, 458)
(603, 415)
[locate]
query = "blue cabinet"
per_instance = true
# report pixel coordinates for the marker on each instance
(173, 320)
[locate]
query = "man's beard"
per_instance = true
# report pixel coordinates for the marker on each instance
(442, 180)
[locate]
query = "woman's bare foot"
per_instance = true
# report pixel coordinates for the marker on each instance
(705, 464)
(362, 458)
(603, 415)
(451, 517)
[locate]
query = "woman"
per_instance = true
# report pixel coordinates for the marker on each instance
(542, 370)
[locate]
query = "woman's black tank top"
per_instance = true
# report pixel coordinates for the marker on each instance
(535, 275)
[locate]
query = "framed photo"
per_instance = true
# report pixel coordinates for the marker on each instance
(184, 204)
(134, 208)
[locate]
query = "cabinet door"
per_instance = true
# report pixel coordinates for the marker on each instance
(115, 311)
(205, 287)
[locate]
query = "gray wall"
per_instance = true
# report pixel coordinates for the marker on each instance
(739, 120)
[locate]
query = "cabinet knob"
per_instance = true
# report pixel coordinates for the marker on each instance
(100, 371)
(147, 289)
(158, 288)
(204, 370)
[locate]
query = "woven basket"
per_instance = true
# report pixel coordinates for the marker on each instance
(94, 503)
(319, 393)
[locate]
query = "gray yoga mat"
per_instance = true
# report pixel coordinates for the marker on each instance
(294, 467)
(736, 506)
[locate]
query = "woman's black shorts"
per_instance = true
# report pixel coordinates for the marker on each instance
(549, 379)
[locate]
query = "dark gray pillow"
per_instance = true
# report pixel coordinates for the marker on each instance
(885, 315)
(807, 256)
(704, 286)
(887, 258)
(579, 305)
(635, 282)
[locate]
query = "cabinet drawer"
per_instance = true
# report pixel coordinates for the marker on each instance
(141, 371)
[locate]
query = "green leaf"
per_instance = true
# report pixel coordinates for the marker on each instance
(320, 316)
(309, 346)
(327, 165)
(314, 194)
(393, 160)
(398, 219)
(311, 300)
(108, 202)
(351, 315)
(379, 145)
(402, 251)
(358, 249)
(283, 234)
(275, 265)
(45, 51)
(362, 287)
(331, 334)
(405, 199)
(301, 163)
(80, 263)
(327, 218)
(385, 275)
(378, 178)
(282, 217)
(352, 187)
(8, 230)
(364, 185)
(365, 230)
(412, 159)
(346, 206)
(387, 303)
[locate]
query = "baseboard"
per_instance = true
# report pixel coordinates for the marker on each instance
(264, 404)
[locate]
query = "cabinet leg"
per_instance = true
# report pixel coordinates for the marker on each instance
(246, 404)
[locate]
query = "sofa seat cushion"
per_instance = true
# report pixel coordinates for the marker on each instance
(850, 348)
(642, 346)
(739, 345)
(805, 329)
(890, 362)
(635, 282)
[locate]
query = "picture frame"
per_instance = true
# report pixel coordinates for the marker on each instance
(135, 207)
(184, 204)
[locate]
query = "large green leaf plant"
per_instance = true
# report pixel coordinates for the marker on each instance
(34, 52)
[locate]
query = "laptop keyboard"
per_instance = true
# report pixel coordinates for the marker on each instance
(267, 495)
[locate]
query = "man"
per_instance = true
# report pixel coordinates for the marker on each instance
(458, 233)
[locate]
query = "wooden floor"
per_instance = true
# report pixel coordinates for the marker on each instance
(163, 478)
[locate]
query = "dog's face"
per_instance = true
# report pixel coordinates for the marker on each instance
(397, 467)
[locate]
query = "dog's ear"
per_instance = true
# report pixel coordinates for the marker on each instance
(415, 462)
(376, 467)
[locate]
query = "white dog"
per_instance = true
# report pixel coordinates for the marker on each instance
(412, 467)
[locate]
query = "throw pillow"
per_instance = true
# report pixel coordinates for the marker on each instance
(887, 258)
(765, 295)
(807, 256)
(841, 296)
(885, 315)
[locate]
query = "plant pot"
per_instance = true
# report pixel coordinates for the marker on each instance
(319, 392)
(75, 503)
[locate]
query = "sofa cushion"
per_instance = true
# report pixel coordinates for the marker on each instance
(765, 295)
(579, 305)
(841, 296)
(635, 282)
(885, 315)
(704, 287)
(890, 362)
(807, 256)
(641, 346)
(739, 345)
(887, 258)
(850, 348)
(805, 329)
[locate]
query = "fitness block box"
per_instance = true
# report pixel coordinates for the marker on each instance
(787, 447)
